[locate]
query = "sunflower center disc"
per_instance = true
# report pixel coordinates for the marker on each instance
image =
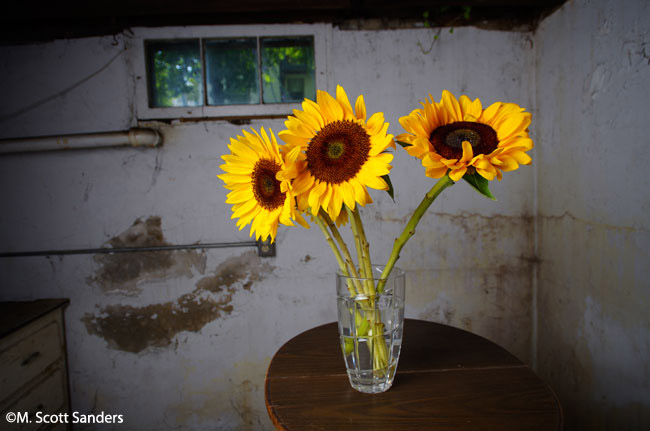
(448, 139)
(338, 151)
(266, 188)
(335, 149)
(455, 139)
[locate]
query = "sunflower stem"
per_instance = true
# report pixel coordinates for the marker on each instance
(357, 242)
(337, 254)
(352, 270)
(409, 229)
(363, 249)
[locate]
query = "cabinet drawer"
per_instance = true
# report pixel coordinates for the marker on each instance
(48, 397)
(27, 357)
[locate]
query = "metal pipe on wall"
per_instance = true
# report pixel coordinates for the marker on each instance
(135, 137)
(264, 249)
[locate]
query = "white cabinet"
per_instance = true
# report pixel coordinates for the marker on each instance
(33, 362)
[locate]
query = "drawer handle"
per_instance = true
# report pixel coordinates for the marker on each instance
(31, 358)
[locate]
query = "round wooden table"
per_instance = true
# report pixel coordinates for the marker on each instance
(447, 378)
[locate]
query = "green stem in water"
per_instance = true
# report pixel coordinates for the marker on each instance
(409, 229)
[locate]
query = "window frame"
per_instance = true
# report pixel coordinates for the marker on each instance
(319, 32)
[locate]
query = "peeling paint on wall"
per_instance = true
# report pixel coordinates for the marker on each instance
(134, 329)
(122, 272)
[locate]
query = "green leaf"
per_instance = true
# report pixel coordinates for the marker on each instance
(479, 184)
(390, 191)
(467, 11)
(404, 144)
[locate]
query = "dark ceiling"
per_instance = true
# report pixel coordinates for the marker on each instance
(25, 22)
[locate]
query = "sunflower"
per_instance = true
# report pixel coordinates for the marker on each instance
(459, 136)
(333, 154)
(257, 196)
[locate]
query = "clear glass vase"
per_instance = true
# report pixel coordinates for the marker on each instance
(371, 323)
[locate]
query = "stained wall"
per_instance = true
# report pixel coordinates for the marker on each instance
(592, 86)
(183, 338)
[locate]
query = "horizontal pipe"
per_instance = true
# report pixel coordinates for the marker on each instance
(130, 249)
(135, 137)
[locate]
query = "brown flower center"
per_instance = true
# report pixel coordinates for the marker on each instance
(338, 151)
(266, 188)
(448, 139)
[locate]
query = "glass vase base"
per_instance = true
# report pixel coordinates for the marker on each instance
(367, 383)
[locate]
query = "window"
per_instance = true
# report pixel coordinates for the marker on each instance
(227, 71)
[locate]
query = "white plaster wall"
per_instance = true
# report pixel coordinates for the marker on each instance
(592, 90)
(470, 264)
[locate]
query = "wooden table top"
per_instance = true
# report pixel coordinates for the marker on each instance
(446, 379)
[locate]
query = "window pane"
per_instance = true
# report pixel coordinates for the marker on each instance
(174, 69)
(231, 66)
(288, 69)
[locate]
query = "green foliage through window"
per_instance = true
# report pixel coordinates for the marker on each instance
(175, 77)
(234, 71)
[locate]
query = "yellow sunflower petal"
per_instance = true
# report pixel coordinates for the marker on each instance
(521, 157)
(237, 169)
(468, 153)
(414, 125)
(303, 183)
(330, 108)
(360, 108)
(348, 194)
(242, 195)
(375, 123)
(452, 106)
(431, 161)
(513, 125)
(457, 174)
(490, 112)
(326, 196)
(309, 120)
(336, 203)
(342, 98)
(315, 196)
(301, 221)
(469, 107)
(313, 109)
(244, 208)
(435, 172)
(291, 139)
(359, 192)
(487, 174)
